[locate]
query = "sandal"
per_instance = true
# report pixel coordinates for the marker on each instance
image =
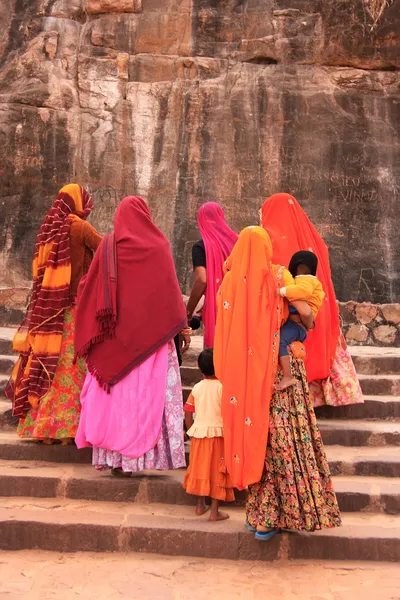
(266, 535)
(120, 473)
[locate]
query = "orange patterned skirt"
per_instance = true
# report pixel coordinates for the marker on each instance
(207, 474)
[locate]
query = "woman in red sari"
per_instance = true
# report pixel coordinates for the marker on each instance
(132, 411)
(330, 369)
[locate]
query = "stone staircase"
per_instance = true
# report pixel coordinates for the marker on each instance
(52, 499)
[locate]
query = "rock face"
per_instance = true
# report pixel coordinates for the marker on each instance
(183, 101)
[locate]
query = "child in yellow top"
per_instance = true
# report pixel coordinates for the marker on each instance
(306, 286)
(207, 474)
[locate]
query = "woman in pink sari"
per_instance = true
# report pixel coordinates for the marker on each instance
(208, 256)
(130, 308)
(330, 370)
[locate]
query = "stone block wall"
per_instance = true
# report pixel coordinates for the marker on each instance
(366, 324)
(363, 324)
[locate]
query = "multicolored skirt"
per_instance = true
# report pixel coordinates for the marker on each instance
(295, 491)
(342, 387)
(57, 415)
(207, 474)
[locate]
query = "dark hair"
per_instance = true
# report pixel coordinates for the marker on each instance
(206, 362)
(303, 257)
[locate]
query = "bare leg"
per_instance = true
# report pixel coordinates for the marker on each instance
(67, 442)
(216, 514)
(287, 379)
(201, 507)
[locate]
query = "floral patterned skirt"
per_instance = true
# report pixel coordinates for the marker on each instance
(295, 491)
(57, 415)
(342, 387)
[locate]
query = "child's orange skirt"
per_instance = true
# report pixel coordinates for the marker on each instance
(207, 474)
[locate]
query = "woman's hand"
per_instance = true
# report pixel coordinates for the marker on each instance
(185, 340)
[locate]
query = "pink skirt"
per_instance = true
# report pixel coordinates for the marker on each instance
(138, 426)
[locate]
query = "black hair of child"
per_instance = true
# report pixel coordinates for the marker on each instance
(303, 257)
(206, 362)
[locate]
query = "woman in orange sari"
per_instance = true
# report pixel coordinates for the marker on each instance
(329, 366)
(272, 441)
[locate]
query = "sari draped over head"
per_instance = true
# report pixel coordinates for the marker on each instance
(39, 337)
(246, 352)
(219, 240)
(291, 230)
(130, 303)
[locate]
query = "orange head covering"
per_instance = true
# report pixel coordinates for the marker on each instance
(246, 352)
(291, 230)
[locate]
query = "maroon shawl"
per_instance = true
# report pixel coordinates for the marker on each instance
(130, 303)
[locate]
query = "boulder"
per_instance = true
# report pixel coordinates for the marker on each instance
(391, 313)
(385, 334)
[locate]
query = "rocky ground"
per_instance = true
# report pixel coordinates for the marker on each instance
(39, 575)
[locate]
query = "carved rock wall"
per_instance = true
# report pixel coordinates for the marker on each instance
(183, 101)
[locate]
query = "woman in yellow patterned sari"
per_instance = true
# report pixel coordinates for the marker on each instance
(45, 385)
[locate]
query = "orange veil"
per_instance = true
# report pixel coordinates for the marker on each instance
(246, 352)
(291, 230)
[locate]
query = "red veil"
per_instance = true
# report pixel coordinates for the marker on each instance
(130, 303)
(291, 230)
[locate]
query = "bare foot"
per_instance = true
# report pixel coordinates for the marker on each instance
(67, 442)
(201, 510)
(201, 507)
(262, 529)
(284, 383)
(48, 441)
(220, 516)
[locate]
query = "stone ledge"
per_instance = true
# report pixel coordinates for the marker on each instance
(363, 323)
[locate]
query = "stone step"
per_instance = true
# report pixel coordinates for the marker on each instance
(343, 460)
(44, 480)
(381, 461)
(3, 382)
(374, 407)
(370, 384)
(6, 338)
(76, 525)
(368, 494)
(370, 360)
(6, 363)
(380, 384)
(7, 421)
(359, 432)
(14, 448)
